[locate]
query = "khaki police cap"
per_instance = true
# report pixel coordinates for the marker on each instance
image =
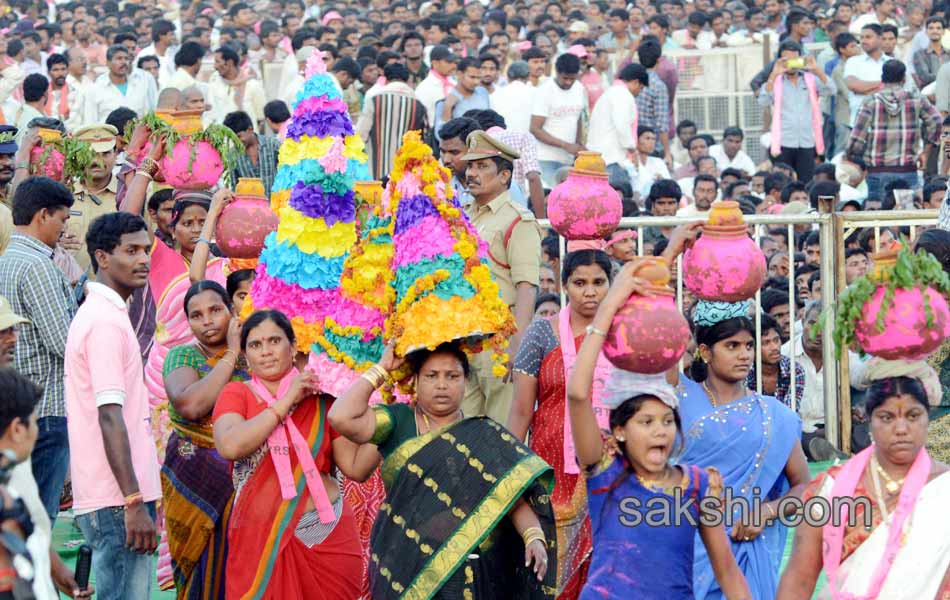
(481, 145)
(100, 136)
(8, 318)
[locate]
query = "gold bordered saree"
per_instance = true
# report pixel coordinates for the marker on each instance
(442, 531)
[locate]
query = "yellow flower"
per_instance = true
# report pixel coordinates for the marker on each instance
(279, 200)
(354, 148)
(313, 236)
(293, 151)
(499, 371)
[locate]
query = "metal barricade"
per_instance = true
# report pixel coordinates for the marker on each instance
(846, 225)
(759, 224)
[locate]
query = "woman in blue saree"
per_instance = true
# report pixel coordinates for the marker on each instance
(751, 439)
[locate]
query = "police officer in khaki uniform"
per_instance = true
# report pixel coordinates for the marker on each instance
(96, 193)
(514, 257)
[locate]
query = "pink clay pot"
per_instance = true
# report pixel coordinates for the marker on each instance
(243, 225)
(584, 206)
(648, 334)
(206, 168)
(53, 166)
(906, 334)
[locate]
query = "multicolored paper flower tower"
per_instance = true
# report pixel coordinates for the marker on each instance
(352, 337)
(302, 262)
(443, 287)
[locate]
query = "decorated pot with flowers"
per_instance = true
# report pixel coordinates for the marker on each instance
(648, 334)
(584, 206)
(246, 221)
(48, 158)
(194, 158)
(724, 264)
(900, 310)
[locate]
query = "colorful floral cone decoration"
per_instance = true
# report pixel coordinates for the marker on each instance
(302, 262)
(352, 337)
(443, 287)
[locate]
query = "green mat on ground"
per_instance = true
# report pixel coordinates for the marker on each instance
(67, 539)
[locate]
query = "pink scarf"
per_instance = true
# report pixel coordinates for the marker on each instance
(845, 484)
(601, 375)
(280, 451)
(776, 132)
(447, 85)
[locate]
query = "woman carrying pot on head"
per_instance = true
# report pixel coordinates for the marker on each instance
(899, 546)
(467, 511)
(196, 481)
(545, 357)
(753, 440)
(650, 560)
(291, 535)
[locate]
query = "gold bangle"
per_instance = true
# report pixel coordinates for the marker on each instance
(145, 174)
(535, 538)
(531, 532)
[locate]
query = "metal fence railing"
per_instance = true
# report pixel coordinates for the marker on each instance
(834, 231)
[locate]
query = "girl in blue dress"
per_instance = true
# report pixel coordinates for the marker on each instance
(751, 439)
(643, 548)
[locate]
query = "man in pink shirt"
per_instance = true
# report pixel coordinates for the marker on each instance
(113, 460)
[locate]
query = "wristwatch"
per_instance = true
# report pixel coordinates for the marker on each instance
(591, 329)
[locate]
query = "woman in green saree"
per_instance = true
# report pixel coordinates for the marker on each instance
(459, 491)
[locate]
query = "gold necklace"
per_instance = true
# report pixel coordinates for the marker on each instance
(425, 419)
(714, 399)
(892, 486)
(656, 484)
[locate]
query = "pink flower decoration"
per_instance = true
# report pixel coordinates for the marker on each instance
(334, 161)
(319, 104)
(315, 64)
(429, 238)
(409, 186)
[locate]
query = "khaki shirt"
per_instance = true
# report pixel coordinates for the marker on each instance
(84, 211)
(523, 254)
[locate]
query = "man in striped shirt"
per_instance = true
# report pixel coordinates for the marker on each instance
(38, 291)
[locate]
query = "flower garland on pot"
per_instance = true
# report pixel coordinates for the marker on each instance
(224, 141)
(867, 310)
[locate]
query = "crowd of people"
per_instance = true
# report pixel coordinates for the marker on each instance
(140, 398)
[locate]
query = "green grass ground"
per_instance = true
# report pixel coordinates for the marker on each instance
(67, 539)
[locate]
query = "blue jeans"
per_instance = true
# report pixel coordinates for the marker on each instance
(50, 460)
(879, 180)
(120, 573)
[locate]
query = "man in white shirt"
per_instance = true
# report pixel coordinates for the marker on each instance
(162, 46)
(136, 90)
(229, 91)
(510, 101)
(35, 94)
(883, 14)
(612, 121)
(649, 168)
(862, 74)
(187, 64)
(730, 155)
(77, 83)
(34, 59)
(556, 121)
(438, 83)
(694, 36)
(807, 350)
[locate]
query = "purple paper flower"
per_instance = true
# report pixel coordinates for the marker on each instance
(412, 210)
(314, 202)
(320, 124)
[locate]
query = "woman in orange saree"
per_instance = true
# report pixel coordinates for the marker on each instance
(291, 535)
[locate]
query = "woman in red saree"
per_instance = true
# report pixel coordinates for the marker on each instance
(291, 535)
(540, 375)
